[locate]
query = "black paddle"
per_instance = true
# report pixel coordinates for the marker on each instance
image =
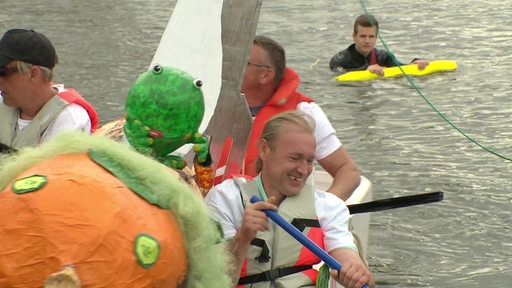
(396, 202)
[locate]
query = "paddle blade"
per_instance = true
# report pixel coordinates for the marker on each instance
(397, 202)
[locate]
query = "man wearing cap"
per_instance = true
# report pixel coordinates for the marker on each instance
(33, 109)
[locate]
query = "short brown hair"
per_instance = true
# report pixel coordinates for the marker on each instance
(366, 21)
(276, 54)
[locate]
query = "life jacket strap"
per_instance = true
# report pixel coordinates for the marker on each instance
(271, 275)
(373, 57)
(265, 253)
(302, 223)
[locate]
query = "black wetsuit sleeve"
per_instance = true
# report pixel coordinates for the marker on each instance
(336, 63)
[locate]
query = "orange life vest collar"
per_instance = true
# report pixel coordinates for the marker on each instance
(71, 96)
(285, 98)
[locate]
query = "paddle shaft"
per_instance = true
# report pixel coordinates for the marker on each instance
(295, 233)
(396, 202)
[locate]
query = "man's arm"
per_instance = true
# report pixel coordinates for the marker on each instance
(254, 220)
(344, 171)
(354, 272)
(331, 155)
(338, 61)
(72, 118)
(238, 248)
(334, 216)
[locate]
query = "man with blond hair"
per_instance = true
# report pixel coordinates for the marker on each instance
(264, 255)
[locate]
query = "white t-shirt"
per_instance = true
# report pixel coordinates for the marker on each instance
(326, 140)
(225, 205)
(72, 118)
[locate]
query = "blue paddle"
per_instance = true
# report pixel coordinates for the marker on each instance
(295, 233)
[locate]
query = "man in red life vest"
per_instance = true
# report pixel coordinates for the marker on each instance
(270, 87)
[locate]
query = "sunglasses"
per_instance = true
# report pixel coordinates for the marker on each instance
(6, 71)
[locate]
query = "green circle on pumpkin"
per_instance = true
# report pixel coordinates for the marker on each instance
(29, 184)
(147, 250)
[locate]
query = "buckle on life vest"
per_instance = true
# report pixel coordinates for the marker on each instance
(273, 274)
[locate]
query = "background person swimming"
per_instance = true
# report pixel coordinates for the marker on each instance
(362, 54)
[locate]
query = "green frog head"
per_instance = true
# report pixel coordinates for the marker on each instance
(164, 109)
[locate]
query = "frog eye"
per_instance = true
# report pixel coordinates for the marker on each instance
(198, 83)
(157, 69)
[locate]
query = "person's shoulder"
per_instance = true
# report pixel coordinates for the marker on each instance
(340, 55)
(224, 189)
(380, 51)
(326, 201)
(351, 47)
(75, 113)
(72, 116)
(314, 110)
(228, 183)
(76, 108)
(383, 53)
(343, 59)
(327, 197)
(310, 108)
(348, 49)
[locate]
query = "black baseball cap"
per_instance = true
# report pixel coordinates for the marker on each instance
(28, 46)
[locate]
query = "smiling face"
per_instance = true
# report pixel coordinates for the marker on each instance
(287, 161)
(365, 39)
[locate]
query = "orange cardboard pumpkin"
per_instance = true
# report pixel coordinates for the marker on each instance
(69, 210)
(94, 212)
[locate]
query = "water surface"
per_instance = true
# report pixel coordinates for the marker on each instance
(398, 140)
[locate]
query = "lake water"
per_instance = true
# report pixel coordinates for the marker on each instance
(393, 130)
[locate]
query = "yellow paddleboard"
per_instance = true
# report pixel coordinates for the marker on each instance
(411, 69)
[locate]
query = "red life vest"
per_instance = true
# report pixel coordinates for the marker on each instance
(285, 98)
(71, 96)
(373, 57)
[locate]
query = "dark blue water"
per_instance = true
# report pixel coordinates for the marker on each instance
(398, 140)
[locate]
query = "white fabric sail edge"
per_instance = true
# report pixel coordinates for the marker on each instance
(192, 42)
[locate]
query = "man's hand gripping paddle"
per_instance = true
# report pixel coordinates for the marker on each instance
(295, 233)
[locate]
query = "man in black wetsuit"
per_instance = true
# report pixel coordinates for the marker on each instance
(362, 54)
